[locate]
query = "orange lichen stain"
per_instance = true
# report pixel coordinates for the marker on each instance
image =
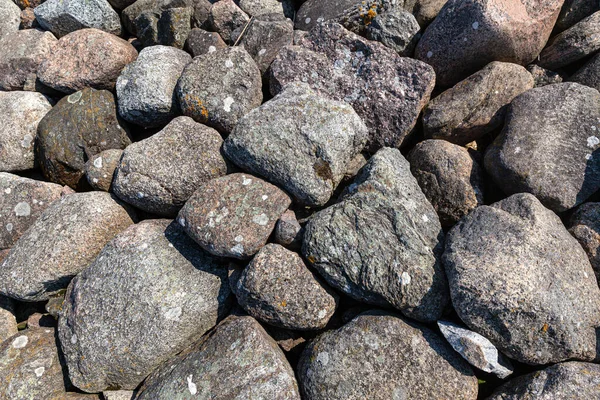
(283, 303)
(545, 328)
(196, 103)
(311, 259)
(370, 15)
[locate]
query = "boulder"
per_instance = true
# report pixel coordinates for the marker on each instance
(574, 11)
(150, 11)
(100, 169)
(168, 27)
(257, 8)
(584, 225)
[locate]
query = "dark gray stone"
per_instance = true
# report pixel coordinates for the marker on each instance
(287, 230)
(152, 9)
(228, 20)
(100, 169)
(589, 73)
(168, 27)
(584, 225)
(574, 11)
(397, 29)
(201, 42)
(543, 76)
(266, 36)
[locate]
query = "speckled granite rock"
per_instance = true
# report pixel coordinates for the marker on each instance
(8, 321)
(11, 17)
(584, 225)
(260, 7)
(151, 10)
(118, 395)
(397, 29)
(266, 36)
(287, 230)
(201, 42)
(227, 19)
(543, 76)
(100, 169)
(169, 27)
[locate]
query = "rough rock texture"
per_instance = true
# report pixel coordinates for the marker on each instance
(261, 7)
(549, 146)
(219, 88)
(386, 90)
(227, 19)
(450, 178)
(78, 127)
(159, 174)
(20, 114)
(233, 216)
(238, 360)
(299, 140)
(277, 288)
(201, 42)
(584, 225)
(381, 245)
(11, 17)
(22, 200)
(146, 87)
(477, 105)
(567, 381)
(64, 240)
(521, 280)
(86, 58)
(574, 11)
(380, 356)
(287, 230)
(8, 321)
(168, 27)
(542, 76)
(469, 34)
(424, 11)
(266, 36)
(397, 29)
(100, 169)
(118, 395)
(589, 73)
(151, 11)
(119, 324)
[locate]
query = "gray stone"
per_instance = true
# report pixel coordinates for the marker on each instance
(381, 245)
(152, 9)
(397, 29)
(521, 280)
(299, 140)
(227, 19)
(353, 14)
(118, 395)
(386, 90)
(11, 17)
(201, 42)
(589, 73)
(8, 321)
(238, 360)
(233, 216)
(20, 114)
(266, 36)
(380, 356)
(160, 174)
(100, 169)
(287, 230)
(475, 106)
(543, 76)
(476, 349)
(65, 16)
(219, 88)
(73, 396)
(566, 381)
(60, 244)
(168, 27)
(584, 225)
(550, 146)
(256, 8)
(146, 87)
(450, 178)
(201, 14)
(574, 11)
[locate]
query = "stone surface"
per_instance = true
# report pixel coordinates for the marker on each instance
(151, 11)
(238, 360)
(266, 36)
(584, 225)
(8, 321)
(20, 114)
(118, 395)
(201, 42)
(521, 280)
(11, 17)
(397, 29)
(233, 216)
(380, 356)
(228, 20)
(146, 87)
(381, 245)
(574, 11)
(475, 106)
(386, 90)
(260, 7)
(542, 76)
(28, 20)
(119, 324)
(64, 240)
(100, 169)
(62, 17)
(467, 35)
(299, 140)
(314, 12)
(589, 73)
(78, 127)
(168, 27)
(450, 178)
(160, 174)
(424, 11)
(277, 288)
(219, 88)
(287, 230)
(86, 58)
(550, 146)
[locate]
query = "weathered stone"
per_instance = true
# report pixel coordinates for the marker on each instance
(266, 36)
(78, 127)
(73, 396)
(584, 225)
(574, 11)
(86, 58)
(64, 240)
(543, 76)
(352, 13)
(233, 216)
(397, 29)
(380, 356)
(201, 14)
(381, 245)
(227, 19)
(386, 90)
(20, 114)
(146, 87)
(160, 174)
(100, 169)
(424, 11)
(589, 73)
(118, 395)
(11, 17)
(201, 42)
(8, 321)
(237, 360)
(521, 280)
(299, 140)
(287, 230)
(119, 324)
(169, 27)
(477, 105)
(219, 88)
(469, 34)
(260, 7)
(549, 146)
(28, 20)
(152, 9)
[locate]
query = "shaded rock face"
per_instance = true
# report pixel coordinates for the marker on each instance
(159, 174)
(238, 360)
(266, 36)
(169, 27)
(549, 146)
(521, 280)
(119, 324)
(589, 73)
(574, 11)
(386, 90)
(584, 225)
(78, 127)
(100, 169)
(381, 244)
(381, 356)
(65, 238)
(467, 35)
(228, 20)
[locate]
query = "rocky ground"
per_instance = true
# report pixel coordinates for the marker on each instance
(287, 199)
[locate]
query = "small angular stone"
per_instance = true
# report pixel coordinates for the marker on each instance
(424, 11)
(201, 42)
(8, 321)
(100, 169)
(543, 76)
(266, 36)
(287, 230)
(227, 19)
(397, 29)
(28, 20)
(584, 225)
(11, 17)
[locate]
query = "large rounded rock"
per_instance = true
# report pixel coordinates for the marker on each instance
(521, 280)
(146, 87)
(60, 244)
(380, 356)
(550, 146)
(160, 174)
(238, 360)
(584, 225)
(119, 324)
(78, 127)
(86, 58)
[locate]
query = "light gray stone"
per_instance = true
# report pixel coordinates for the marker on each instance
(10, 19)
(397, 29)
(287, 230)
(118, 395)
(100, 169)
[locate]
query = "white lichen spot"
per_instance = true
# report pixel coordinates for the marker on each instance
(588, 157)
(323, 358)
(246, 181)
(320, 19)
(593, 141)
(7, 190)
(307, 21)
(98, 162)
(9, 227)
(26, 142)
(74, 98)
(593, 128)
(74, 339)
(262, 52)
(429, 54)
(20, 342)
(475, 25)
(265, 197)
(237, 249)
(261, 219)
(39, 371)
(211, 49)
(425, 218)
(405, 278)
(322, 314)
(143, 246)
(239, 238)
(227, 104)
(173, 314)
(517, 150)
(141, 195)
(229, 64)
(95, 180)
(22, 209)
(191, 385)
(181, 221)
